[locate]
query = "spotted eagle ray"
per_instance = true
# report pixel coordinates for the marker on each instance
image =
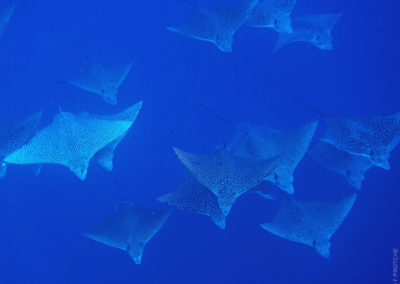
(314, 29)
(13, 136)
(373, 137)
(264, 143)
(72, 140)
(216, 24)
(226, 175)
(104, 81)
(191, 195)
(310, 222)
(274, 14)
(5, 16)
(352, 167)
(129, 228)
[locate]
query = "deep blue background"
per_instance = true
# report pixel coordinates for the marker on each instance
(41, 217)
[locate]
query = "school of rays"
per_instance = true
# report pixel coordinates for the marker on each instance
(259, 158)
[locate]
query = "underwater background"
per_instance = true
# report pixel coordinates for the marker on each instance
(42, 218)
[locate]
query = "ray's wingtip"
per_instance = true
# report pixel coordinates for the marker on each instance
(177, 151)
(139, 104)
(37, 116)
(85, 234)
(171, 29)
(265, 226)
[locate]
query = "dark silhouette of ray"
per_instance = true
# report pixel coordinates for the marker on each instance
(314, 29)
(14, 136)
(264, 143)
(129, 228)
(216, 24)
(310, 222)
(373, 137)
(104, 81)
(352, 167)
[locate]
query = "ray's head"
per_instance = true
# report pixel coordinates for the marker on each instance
(284, 181)
(135, 251)
(79, 168)
(322, 41)
(322, 248)
(109, 93)
(224, 42)
(282, 23)
(380, 158)
(225, 203)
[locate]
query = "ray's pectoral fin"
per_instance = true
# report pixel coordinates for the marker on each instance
(269, 227)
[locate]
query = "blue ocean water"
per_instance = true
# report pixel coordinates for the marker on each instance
(42, 218)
